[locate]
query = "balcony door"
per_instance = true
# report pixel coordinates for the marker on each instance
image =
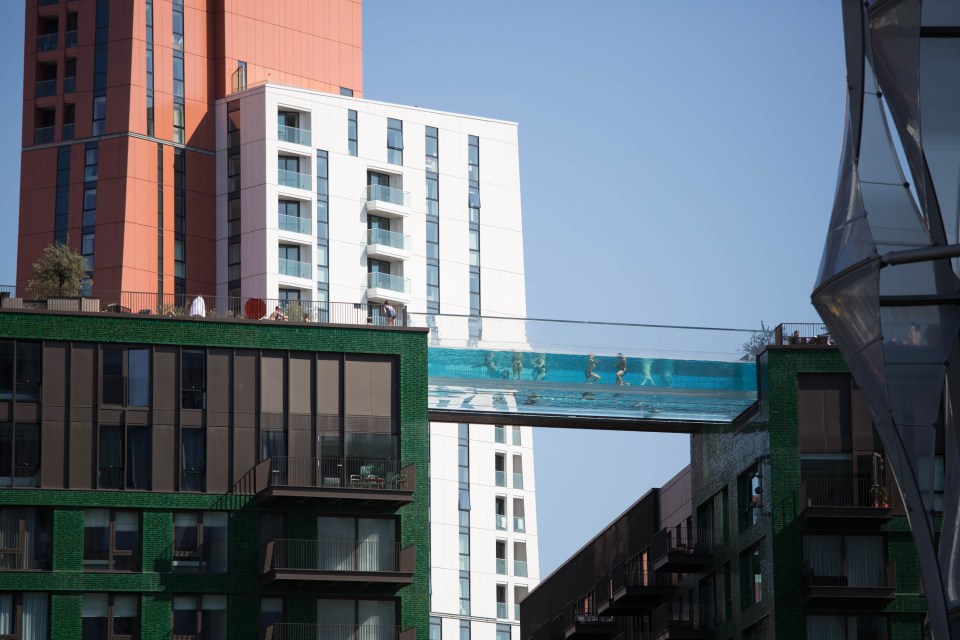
(376, 179)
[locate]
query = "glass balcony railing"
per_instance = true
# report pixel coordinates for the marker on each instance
(70, 39)
(388, 194)
(70, 84)
(501, 478)
(293, 179)
(502, 610)
(501, 522)
(68, 131)
(519, 524)
(498, 435)
(43, 135)
(518, 481)
(295, 224)
(516, 437)
(293, 135)
(520, 568)
(46, 88)
(377, 280)
(502, 566)
(295, 268)
(516, 612)
(48, 41)
(388, 238)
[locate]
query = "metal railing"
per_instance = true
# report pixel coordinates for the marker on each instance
(329, 473)
(44, 135)
(635, 576)
(183, 306)
(683, 540)
(295, 224)
(388, 238)
(843, 492)
(70, 84)
(797, 334)
(681, 615)
(518, 481)
(583, 613)
(868, 573)
(339, 555)
(519, 524)
(45, 88)
(48, 41)
(293, 179)
(294, 631)
(293, 135)
(377, 280)
(501, 522)
(295, 268)
(70, 39)
(382, 193)
(520, 568)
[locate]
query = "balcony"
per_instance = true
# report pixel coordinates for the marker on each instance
(388, 201)
(681, 621)
(293, 179)
(387, 244)
(518, 481)
(501, 522)
(365, 481)
(682, 550)
(841, 581)
(295, 224)
(634, 591)
(802, 334)
(48, 42)
(582, 622)
(46, 88)
(295, 269)
(502, 610)
(43, 135)
(293, 135)
(501, 566)
(70, 84)
(70, 39)
(844, 498)
(500, 478)
(519, 524)
(294, 631)
(383, 286)
(338, 561)
(520, 568)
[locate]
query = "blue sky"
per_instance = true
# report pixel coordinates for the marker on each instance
(678, 162)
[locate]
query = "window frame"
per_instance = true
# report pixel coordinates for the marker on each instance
(19, 552)
(135, 554)
(201, 633)
(127, 452)
(200, 554)
(111, 633)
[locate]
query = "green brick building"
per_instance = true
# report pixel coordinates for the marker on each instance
(193, 478)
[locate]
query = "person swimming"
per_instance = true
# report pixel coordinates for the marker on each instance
(539, 368)
(517, 365)
(590, 372)
(647, 377)
(621, 368)
(489, 365)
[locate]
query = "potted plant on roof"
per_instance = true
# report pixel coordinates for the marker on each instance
(59, 279)
(878, 493)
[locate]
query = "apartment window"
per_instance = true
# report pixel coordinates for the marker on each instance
(125, 457)
(200, 617)
(26, 536)
(436, 628)
(179, 126)
(357, 544)
(352, 132)
(21, 370)
(516, 436)
(110, 616)
(464, 551)
(149, 10)
(234, 226)
(62, 203)
(751, 576)
(111, 540)
(520, 559)
(501, 595)
(464, 594)
(178, 25)
(500, 470)
(99, 115)
(517, 472)
(19, 454)
(474, 246)
(519, 516)
(125, 376)
(750, 497)
(501, 513)
(519, 593)
(323, 237)
(239, 79)
(193, 379)
(70, 75)
(367, 619)
(501, 557)
(839, 627)
(200, 541)
(179, 218)
(394, 141)
(193, 459)
(271, 612)
(273, 444)
(845, 561)
(464, 630)
(499, 434)
(25, 616)
(346, 92)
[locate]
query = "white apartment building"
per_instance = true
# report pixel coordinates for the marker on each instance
(324, 198)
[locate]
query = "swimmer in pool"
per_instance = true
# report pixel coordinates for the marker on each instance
(668, 374)
(489, 365)
(647, 378)
(621, 368)
(590, 374)
(539, 368)
(517, 365)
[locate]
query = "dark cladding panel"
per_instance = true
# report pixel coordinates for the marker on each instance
(823, 411)
(271, 383)
(81, 455)
(164, 457)
(861, 423)
(83, 373)
(676, 500)
(383, 377)
(328, 384)
(244, 387)
(54, 389)
(358, 386)
(300, 384)
(165, 379)
(301, 437)
(52, 448)
(218, 380)
(218, 461)
(244, 451)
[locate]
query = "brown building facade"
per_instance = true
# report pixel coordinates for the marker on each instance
(118, 127)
